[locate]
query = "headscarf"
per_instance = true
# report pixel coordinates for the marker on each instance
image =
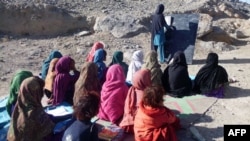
(29, 121)
(98, 60)
(155, 124)
(158, 22)
(51, 75)
(153, 65)
(45, 66)
(14, 88)
(118, 59)
(176, 78)
(211, 75)
(113, 95)
(96, 46)
(135, 64)
(88, 81)
(141, 80)
(62, 80)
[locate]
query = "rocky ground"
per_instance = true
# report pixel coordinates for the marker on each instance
(30, 29)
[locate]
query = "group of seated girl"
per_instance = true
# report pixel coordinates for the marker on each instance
(210, 80)
(137, 109)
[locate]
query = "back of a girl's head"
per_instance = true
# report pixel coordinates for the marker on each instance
(153, 96)
(87, 106)
(212, 58)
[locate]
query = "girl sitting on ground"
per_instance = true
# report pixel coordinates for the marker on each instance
(88, 81)
(212, 78)
(141, 80)
(85, 108)
(29, 121)
(95, 47)
(154, 121)
(176, 78)
(100, 56)
(134, 66)
(113, 95)
(14, 89)
(153, 65)
(64, 83)
(118, 59)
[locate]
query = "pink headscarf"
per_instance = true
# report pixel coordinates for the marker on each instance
(96, 46)
(113, 95)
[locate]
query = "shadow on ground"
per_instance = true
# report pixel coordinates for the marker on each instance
(235, 92)
(223, 61)
(189, 132)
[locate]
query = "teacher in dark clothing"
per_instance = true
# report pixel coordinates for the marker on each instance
(157, 33)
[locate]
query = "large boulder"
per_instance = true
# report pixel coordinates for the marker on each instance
(218, 35)
(119, 26)
(205, 25)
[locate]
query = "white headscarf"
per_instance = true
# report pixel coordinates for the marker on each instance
(135, 65)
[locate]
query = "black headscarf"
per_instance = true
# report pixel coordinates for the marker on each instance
(210, 76)
(158, 21)
(176, 78)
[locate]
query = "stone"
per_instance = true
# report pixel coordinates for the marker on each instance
(120, 26)
(240, 34)
(83, 33)
(205, 25)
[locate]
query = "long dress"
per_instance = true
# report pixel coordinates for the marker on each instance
(142, 80)
(113, 95)
(14, 89)
(176, 78)
(211, 78)
(64, 82)
(29, 122)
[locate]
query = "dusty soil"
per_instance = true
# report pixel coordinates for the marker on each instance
(28, 52)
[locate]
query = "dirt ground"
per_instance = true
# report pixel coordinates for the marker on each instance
(28, 53)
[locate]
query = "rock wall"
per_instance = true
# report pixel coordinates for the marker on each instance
(40, 20)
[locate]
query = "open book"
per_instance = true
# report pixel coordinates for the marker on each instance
(111, 133)
(60, 110)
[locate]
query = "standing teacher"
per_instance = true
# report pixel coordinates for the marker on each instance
(157, 32)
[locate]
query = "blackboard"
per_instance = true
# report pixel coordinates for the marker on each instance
(184, 36)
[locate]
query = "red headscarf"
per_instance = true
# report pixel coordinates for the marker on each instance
(96, 46)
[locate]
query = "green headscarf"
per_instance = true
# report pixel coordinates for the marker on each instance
(118, 59)
(14, 88)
